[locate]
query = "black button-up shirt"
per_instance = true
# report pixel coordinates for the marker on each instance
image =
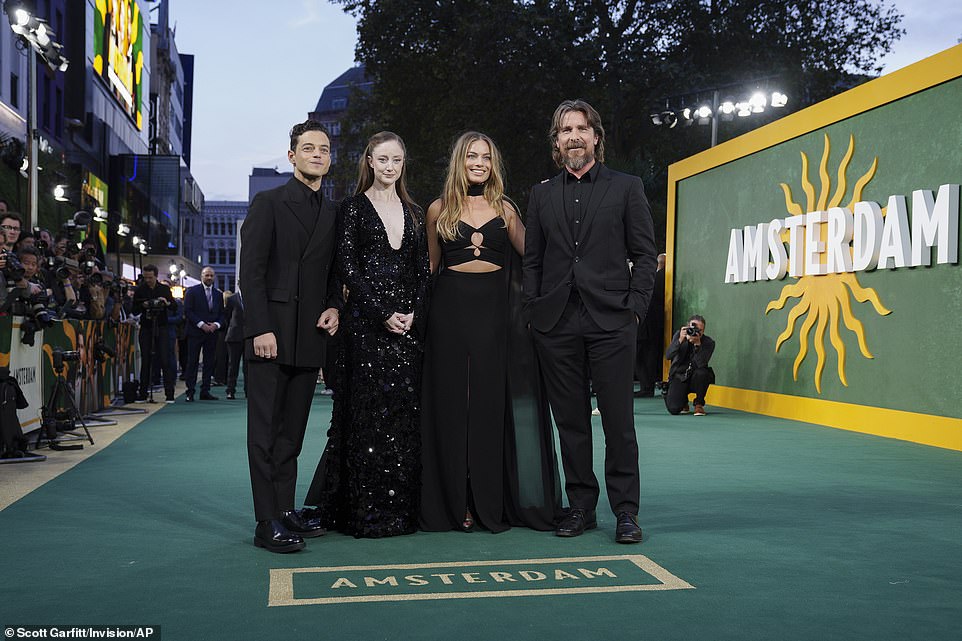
(313, 197)
(576, 195)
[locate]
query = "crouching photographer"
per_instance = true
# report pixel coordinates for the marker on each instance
(689, 353)
(152, 300)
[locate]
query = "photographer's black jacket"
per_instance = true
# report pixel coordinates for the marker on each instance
(143, 294)
(681, 354)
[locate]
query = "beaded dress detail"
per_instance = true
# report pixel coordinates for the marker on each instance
(368, 481)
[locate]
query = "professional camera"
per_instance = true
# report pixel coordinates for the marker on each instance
(64, 356)
(61, 266)
(101, 277)
(36, 315)
(13, 271)
(692, 330)
(155, 306)
(102, 351)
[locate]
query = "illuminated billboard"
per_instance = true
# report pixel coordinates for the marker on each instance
(119, 52)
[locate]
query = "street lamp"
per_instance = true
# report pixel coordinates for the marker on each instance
(38, 38)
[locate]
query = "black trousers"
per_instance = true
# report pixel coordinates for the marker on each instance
(278, 405)
(649, 359)
(697, 383)
(195, 344)
(575, 346)
(158, 353)
(235, 355)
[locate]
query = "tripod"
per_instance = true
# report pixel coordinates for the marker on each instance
(147, 382)
(53, 417)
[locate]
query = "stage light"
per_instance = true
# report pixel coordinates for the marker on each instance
(704, 113)
(669, 118)
(173, 268)
(136, 240)
(123, 230)
(60, 193)
(758, 102)
(743, 109)
(100, 214)
(779, 99)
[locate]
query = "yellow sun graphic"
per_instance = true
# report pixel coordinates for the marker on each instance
(824, 299)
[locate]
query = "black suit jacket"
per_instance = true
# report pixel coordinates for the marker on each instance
(285, 264)
(654, 325)
(196, 310)
(616, 228)
(234, 315)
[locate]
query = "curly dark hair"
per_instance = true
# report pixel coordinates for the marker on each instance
(302, 127)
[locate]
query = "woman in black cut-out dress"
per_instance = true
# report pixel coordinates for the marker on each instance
(367, 483)
(489, 457)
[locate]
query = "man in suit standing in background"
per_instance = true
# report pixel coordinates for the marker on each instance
(584, 304)
(287, 251)
(234, 305)
(649, 360)
(204, 309)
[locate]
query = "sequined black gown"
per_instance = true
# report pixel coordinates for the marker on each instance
(368, 481)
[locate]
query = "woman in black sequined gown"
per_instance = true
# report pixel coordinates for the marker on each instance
(368, 481)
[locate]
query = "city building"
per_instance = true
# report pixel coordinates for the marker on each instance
(221, 238)
(330, 111)
(264, 178)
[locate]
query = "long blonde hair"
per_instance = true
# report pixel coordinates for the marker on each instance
(365, 173)
(456, 184)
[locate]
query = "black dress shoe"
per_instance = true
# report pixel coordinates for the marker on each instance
(207, 396)
(274, 537)
(307, 526)
(627, 530)
(576, 522)
(189, 398)
(230, 396)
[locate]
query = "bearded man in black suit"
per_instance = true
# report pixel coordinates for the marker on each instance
(287, 248)
(583, 227)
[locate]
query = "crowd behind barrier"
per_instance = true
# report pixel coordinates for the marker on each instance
(106, 356)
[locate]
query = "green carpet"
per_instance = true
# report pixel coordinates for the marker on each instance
(785, 531)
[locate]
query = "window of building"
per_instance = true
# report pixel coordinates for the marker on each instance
(339, 103)
(232, 256)
(14, 90)
(335, 129)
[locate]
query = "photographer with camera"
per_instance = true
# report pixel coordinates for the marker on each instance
(689, 353)
(11, 225)
(152, 299)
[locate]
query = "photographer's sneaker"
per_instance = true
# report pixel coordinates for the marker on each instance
(684, 410)
(700, 410)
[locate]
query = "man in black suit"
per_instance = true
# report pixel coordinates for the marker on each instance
(153, 300)
(204, 310)
(651, 337)
(584, 305)
(287, 250)
(234, 306)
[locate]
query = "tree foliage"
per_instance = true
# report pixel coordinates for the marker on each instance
(441, 67)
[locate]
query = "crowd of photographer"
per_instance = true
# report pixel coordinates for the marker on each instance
(46, 278)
